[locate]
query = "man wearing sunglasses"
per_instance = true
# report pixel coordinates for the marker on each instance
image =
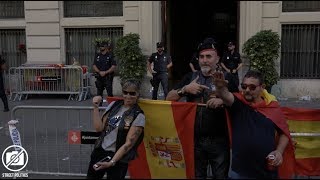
(211, 141)
(259, 130)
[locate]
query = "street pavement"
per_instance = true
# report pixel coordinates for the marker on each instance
(46, 132)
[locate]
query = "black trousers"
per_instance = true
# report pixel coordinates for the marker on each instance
(104, 83)
(157, 78)
(118, 171)
(214, 152)
(3, 96)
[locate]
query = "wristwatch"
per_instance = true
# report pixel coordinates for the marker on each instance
(113, 162)
(181, 92)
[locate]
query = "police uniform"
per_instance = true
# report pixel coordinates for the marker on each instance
(104, 62)
(232, 61)
(160, 62)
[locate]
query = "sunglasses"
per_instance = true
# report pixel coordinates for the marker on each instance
(130, 93)
(252, 87)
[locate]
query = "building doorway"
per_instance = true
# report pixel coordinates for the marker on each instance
(189, 22)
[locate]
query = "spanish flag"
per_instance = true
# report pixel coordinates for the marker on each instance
(304, 125)
(167, 149)
(271, 109)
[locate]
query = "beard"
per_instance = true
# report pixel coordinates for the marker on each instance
(206, 70)
(248, 97)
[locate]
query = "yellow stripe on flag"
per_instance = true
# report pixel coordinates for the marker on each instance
(163, 148)
(307, 147)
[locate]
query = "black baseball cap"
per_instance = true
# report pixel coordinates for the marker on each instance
(160, 44)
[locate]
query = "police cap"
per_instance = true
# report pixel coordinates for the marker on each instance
(160, 44)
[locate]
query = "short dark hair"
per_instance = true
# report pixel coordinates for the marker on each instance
(255, 74)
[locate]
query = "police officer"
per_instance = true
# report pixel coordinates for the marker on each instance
(104, 65)
(161, 63)
(3, 95)
(231, 63)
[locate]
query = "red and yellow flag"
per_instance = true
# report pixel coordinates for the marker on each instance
(167, 149)
(305, 124)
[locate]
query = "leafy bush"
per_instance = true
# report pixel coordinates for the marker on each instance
(262, 50)
(97, 41)
(131, 62)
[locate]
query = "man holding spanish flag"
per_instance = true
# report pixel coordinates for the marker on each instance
(258, 129)
(211, 141)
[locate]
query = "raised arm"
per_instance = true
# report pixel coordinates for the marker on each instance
(222, 89)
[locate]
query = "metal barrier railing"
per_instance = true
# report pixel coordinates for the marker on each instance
(44, 132)
(67, 80)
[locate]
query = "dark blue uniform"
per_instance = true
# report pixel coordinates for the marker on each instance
(104, 62)
(160, 62)
(232, 61)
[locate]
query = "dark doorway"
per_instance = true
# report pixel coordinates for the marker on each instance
(189, 22)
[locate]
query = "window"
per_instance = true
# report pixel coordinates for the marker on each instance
(93, 8)
(11, 9)
(12, 46)
(300, 6)
(300, 51)
(80, 42)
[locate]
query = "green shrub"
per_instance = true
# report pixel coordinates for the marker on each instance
(262, 50)
(131, 62)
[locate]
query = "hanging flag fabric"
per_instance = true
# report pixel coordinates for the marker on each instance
(304, 125)
(167, 149)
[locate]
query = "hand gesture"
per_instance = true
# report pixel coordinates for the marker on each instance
(194, 87)
(234, 71)
(218, 79)
(96, 101)
(278, 158)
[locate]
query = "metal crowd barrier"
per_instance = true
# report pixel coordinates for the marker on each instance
(44, 135)
(67, 80)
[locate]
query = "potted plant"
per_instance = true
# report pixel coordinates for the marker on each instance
(131, 62)
(97, 42)
(262, 50)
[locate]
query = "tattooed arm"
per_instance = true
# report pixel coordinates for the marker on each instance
(132, 138)
(134, 132)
